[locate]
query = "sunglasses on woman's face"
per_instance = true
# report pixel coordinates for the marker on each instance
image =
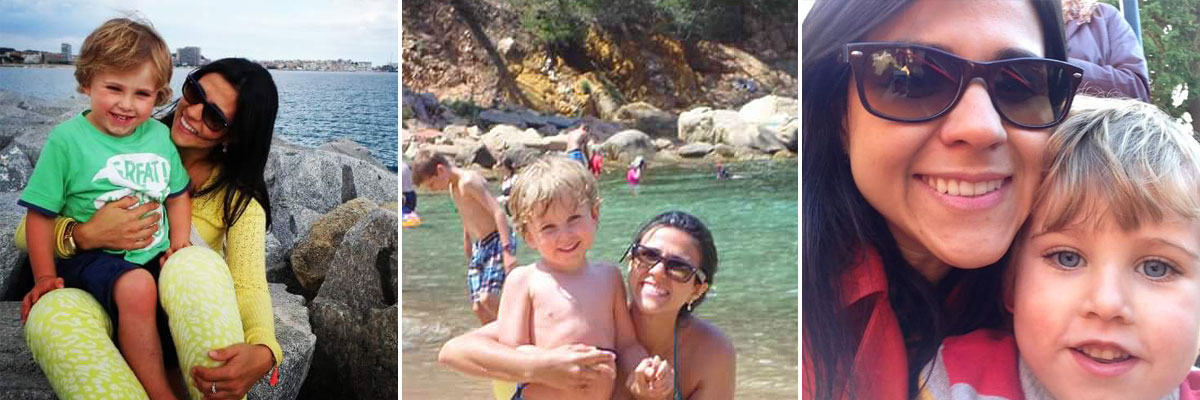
(676, 268)
(913, 83)
(212, 115)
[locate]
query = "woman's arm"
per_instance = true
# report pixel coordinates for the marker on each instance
(479, 353)
(116, 227)
(246, 254)
(111, 227)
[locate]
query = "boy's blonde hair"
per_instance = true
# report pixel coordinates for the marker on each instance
(548, 179)
(121, 44)
(1123, 158)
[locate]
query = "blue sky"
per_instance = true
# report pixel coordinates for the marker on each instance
(362, 30)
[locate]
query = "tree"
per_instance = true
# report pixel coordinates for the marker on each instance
(1171, 40)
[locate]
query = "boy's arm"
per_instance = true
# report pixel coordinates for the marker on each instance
(479, 193)
(513, 317)
(466, 243)
(38, 229)
(179, 219)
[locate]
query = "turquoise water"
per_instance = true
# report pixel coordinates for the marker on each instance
(753, 221)
(314, 107)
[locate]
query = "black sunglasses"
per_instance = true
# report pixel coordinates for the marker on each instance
(212, 115)
(677, 269)
(913, 83)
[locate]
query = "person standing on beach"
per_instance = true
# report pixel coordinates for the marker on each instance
(577, 144)
(488, 243)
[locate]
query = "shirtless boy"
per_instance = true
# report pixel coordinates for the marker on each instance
(489, 245)
(562, 298)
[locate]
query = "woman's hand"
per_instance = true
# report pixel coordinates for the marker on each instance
(652, 379)
(244, 365)
(118, 227)
(575, 366)
(40, 288)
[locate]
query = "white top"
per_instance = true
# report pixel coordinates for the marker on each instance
(406, 178)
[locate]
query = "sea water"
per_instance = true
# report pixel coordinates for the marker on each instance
(314, 107)
(753, 221)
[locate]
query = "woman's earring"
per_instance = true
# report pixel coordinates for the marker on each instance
(224, 147)
(689, 306)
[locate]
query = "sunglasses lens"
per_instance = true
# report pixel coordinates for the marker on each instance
(909, 83)
(678, 270)
(213, 119)
(189, 92)
(1032, 93)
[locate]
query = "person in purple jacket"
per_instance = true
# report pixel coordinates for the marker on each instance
(1104, 45)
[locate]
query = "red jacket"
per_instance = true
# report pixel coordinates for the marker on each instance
(880, 368)
(984, 364)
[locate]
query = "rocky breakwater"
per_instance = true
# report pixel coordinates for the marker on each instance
(304, 184)
(762, 128)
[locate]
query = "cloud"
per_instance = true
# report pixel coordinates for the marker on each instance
(362, 30)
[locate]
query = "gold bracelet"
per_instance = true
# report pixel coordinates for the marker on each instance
(69, 235)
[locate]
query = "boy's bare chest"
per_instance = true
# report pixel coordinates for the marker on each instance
(575, 309)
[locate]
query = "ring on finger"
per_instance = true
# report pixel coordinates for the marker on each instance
(213, 388)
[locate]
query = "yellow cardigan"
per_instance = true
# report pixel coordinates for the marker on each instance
(244, 249)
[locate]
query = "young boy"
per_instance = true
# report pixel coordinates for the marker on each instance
(563, 298)
(489, 245)
(105, 153)
(1105, 279)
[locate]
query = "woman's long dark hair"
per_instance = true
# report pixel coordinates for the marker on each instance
(244, 159)
(838, 222)
(695, 228)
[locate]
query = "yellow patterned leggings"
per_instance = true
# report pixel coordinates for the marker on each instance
(71, 337)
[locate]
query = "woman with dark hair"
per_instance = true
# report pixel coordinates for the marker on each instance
(222, 127)
(672, 264)
(924, 130)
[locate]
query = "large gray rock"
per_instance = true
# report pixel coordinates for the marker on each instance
(704, 124)
(21, 378)
(312, 256)
(320, 180)
(352, 149)
(475, 153)
(630, 141)
(770, 109)
(648, 118)
(295, 336)
(278, 268)
(15, 278)
(355, 313)
(776, 114)
(304, 183)
(15, 169)
(501, 137)
(695, 150)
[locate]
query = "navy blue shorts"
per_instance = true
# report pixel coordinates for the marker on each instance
(410, 202)
(96, 272)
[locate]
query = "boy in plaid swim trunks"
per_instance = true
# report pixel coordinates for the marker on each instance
(485, 272)
(487, 241)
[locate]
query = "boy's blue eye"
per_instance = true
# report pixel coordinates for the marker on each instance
(1067, 259)
(1155, 269)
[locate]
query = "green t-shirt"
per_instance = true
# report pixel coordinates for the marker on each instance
(81, 168)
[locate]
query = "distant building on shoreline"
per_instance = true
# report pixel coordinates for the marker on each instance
(66, 52)
(189, 57)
